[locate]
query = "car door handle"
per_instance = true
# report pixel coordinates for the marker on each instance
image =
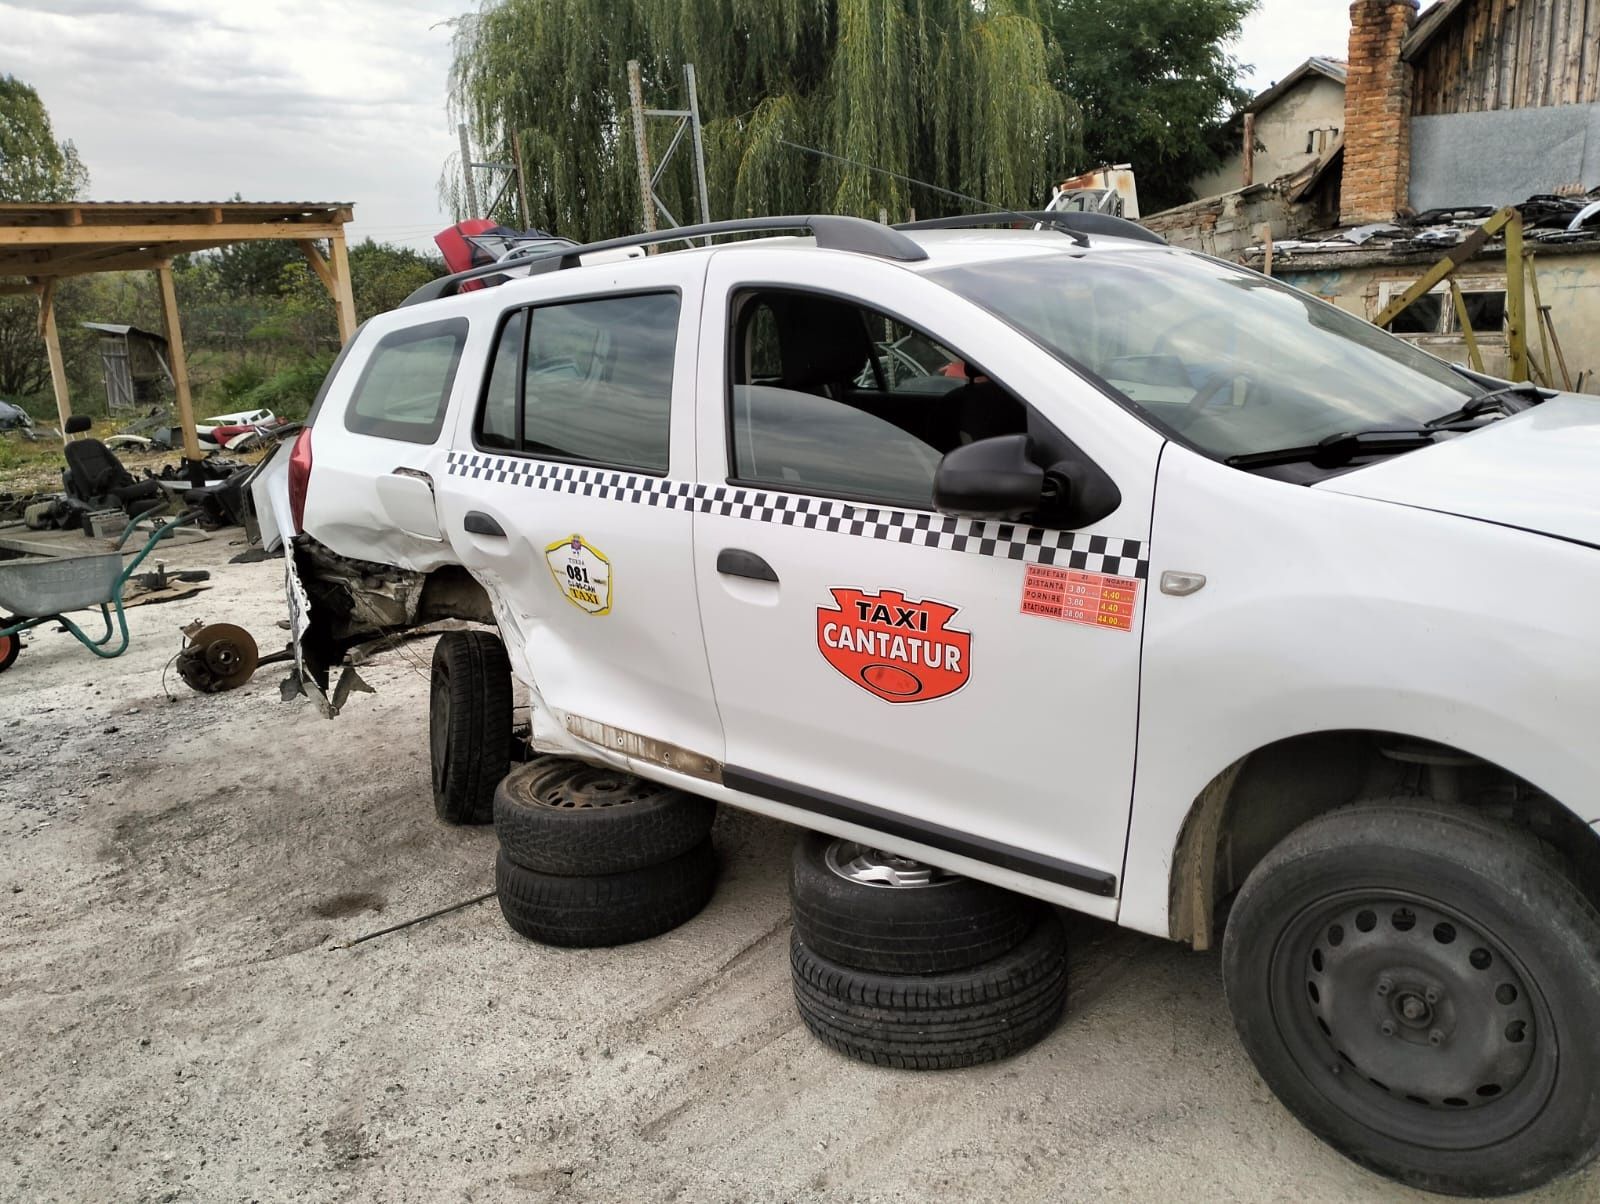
(736, 562)
(479, 523)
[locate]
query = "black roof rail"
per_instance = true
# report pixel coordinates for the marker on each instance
(832, 232)
(1069, 221)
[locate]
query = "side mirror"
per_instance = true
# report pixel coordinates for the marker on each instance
(77, 424)
(992, 478)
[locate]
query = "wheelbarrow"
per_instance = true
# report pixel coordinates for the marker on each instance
(42, 589)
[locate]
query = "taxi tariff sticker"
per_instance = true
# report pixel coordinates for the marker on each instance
(582, 573)
(1075, 597)
(893, 647)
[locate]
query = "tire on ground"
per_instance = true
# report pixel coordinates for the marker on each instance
(1416, 983)
(469, 724)
(556, 816)
(957, 923)
(605, 909)
(936, 1021)
(10, 647)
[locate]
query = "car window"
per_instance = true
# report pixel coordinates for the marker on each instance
(497, 421)
(1230, 360)
(594, 383)
(405, 386)
(833, 398)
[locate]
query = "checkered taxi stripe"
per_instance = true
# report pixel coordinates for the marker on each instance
(1007, 541)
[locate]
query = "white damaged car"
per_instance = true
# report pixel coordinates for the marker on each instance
(1153, 588)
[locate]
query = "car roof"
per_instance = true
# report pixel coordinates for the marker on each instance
(952, 248)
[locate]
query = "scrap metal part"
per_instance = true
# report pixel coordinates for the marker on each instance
(217, 657)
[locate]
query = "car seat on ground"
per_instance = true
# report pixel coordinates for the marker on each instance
(95, 477)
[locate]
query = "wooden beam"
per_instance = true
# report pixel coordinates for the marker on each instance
(16, 288)
(87, 264)
(319, 265)
(157, 235)
(52, 347)
(1464, 320)
(344, 299)
(1516, 300)
(178, 361)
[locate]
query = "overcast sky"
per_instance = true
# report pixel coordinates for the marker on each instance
(326, 100)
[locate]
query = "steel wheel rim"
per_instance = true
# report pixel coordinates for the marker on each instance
(592, 789)
(1413, 1019)
(873, 867)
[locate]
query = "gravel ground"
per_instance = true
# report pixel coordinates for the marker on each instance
(184, 1022)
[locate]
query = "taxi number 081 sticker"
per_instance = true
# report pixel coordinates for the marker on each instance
(895, 648)
(582, 573)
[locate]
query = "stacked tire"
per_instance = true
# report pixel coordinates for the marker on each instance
(899, 964)
(591, 857)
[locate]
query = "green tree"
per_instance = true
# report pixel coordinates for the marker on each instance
(33, 165)
(1156, 85)
(959, 93)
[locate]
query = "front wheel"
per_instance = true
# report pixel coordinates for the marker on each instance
(10, 647)
(1417, 983)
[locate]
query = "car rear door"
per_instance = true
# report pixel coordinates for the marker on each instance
(969, 689)
(378, 445)
(567, 494)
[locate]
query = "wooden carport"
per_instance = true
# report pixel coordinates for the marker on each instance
(41, 244)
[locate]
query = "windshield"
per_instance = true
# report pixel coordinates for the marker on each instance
(1230, 361)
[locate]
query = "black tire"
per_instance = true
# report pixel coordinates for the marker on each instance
(10, 647)
(605, 909)
(564, 817)
(469, 724)
(957, 923)
(1486, 1087)
(936, 1021)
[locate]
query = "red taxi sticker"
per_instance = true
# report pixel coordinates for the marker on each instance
(892, 647)
(1093, 599)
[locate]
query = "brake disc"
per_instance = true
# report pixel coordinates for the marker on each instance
(219, 657)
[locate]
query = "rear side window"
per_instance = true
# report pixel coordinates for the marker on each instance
(405, 387)
(594, 385)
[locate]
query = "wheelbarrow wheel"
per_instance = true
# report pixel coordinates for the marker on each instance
(10, 647)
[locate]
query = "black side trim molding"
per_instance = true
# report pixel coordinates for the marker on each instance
(1023, 861)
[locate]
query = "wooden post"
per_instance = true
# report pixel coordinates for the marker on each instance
(52, 347)
(522, 182)
(344, 300)
(180, 367)
(1266, 244)
(641, 147)
(1516, 301)
(1464, 320)
(1249, 149)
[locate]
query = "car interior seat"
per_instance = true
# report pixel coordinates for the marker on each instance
(96, 478)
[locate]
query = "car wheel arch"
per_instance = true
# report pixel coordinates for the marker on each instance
(1255, 801)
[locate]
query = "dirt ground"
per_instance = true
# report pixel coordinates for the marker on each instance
(184, 1022)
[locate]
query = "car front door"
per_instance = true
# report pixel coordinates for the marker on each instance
(565, 495)
(966, 688)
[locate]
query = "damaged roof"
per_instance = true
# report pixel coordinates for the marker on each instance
(1428, 27)
(1553, 222)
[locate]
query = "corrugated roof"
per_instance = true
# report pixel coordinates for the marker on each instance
(118, 328)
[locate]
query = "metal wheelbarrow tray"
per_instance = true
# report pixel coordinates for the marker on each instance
(43, 589)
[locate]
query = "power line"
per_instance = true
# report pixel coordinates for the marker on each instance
(949, 192)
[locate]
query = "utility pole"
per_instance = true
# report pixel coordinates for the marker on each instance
(469, 198)
(686, 121)
(641, 146)
(513, 174)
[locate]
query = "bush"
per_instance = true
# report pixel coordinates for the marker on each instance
(289, 393)
(234, 385)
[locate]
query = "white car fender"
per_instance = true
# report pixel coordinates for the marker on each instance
(1325, 612)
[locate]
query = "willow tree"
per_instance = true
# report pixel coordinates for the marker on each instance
(879, 93)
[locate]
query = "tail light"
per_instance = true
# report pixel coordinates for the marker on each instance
(299, 477)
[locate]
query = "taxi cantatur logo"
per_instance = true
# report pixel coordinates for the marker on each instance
(893, 647)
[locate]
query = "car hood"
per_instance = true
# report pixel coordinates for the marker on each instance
(1538, 471)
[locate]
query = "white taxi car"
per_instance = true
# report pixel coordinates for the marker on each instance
(1107, 572)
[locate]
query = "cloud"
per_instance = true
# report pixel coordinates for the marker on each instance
(289, 100)
(1282, 34)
